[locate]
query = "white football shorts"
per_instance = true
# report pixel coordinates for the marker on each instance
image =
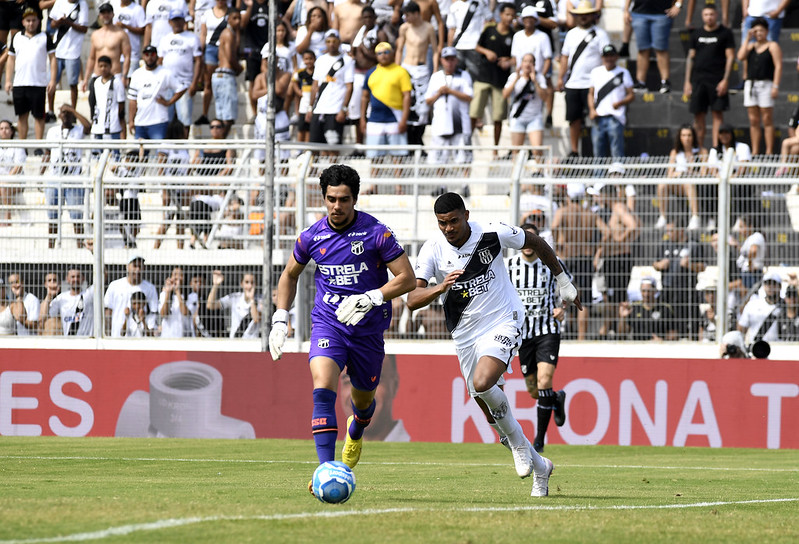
(501, 342)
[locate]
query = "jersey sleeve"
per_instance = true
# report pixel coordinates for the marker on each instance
(425, 262)
(387, 244)
(512, 237)
(301, 249)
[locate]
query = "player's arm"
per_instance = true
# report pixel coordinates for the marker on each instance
(567, 291)
(424, 294)
(286, 291)
(403, 280)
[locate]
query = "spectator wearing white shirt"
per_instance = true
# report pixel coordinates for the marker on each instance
(140, 320)
(29, 54)
(752, 254)
(465, 24)
(180, 52)
(449, 94)
(131, 17)
(107, 103)
(758, 320)
(535, 38)
(12, 162)
(118, 296)
(581, 53)
(213, 22)
(75, 307)
(610, 92)
(526, 91)
(333, 76)
(70, 19)
(245, 306)
(27, 325)
(65, 161)
(175, 314)
(148, 98)
(156, 19)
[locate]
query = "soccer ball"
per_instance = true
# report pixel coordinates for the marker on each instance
(333, 482)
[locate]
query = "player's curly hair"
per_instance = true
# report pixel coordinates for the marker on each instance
(449, 202)
(340, 174)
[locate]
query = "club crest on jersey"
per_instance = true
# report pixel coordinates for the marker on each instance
(485, 256)
(356, 247)
(323, 343)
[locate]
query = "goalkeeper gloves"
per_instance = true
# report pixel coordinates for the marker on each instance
(277, 336)
(355, 307)
(568, 292)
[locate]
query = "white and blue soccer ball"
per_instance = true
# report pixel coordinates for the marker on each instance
(333, 482)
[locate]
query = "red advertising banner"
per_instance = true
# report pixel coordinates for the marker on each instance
(662, 402)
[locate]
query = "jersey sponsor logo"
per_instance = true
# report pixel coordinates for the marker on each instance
(323, 343)
(343, 274)
(504, 340)
(475, 286)
(331, 298)
(319, 422)
(319, 237)
(356, 247)
(353, 234)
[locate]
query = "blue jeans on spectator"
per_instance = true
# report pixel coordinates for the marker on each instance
(151, 132)
(774, 27)
(607, 136)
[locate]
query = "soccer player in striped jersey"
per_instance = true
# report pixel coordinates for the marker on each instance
(538, 354)
(484, 314)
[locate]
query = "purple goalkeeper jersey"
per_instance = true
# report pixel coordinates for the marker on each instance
(349, 263)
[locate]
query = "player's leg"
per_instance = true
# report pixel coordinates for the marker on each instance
(324, 372)
(546, 402)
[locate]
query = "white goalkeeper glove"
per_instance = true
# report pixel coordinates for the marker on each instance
(277, 336)
(355, 307)
(568, 292)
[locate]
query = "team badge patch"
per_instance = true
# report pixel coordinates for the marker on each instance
(485, 256)
(356, 247)
(323, 343)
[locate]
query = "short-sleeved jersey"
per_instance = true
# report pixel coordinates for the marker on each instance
(537, 289)
(349, 262)
(386, 86)
(483, 296)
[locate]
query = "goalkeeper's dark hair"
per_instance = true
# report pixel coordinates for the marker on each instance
(340, 174)
(449, 202)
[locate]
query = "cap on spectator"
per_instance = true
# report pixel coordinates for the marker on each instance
(529, 11)
(176, 14)
(726, 127)
(29, 11)
(150, 49)
(135, 257)
(332, 33)
(651, 281)
(609, 50)
(734, 338)
(772, 275)
(575, 190)
(595, 189)
(449, 51)
(616, 168)
(105, 6)
(383, 46)
(706, 282)
(585, 7)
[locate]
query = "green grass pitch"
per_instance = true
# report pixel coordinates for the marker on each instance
(163, 490)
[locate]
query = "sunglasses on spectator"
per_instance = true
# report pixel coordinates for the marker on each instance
(215, 126)
(386, 52)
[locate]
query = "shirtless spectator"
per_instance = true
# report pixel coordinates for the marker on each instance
(573, 229)
(416, 38)
(347, 19)
(49, 326)
(223, 81)
(130, 17)
(107, 41)
(430, 10)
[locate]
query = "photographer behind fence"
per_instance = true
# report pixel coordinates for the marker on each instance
(758, 320)
(732, 346)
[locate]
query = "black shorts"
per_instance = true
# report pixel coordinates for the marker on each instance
(29, 100)
(11, 15)
(793, 121)
(617, 270)
(539, 349)
(576, 104)
(470, 61)
(704, 97)
(302, 124)
(253, 65)
(582, 269)
(326, 130)
(130, 209)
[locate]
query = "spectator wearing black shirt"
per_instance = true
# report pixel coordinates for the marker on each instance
(494, 47)
(649, 318)
(707, 79)
(651, 21)
(254, 35)
(789, 320)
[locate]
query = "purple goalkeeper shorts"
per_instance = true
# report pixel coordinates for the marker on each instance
(362, 355)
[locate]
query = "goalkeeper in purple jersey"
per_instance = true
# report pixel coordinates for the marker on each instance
(353, 252)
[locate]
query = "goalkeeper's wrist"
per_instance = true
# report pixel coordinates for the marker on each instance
(563, 279)
(375, 297)
(280, 316)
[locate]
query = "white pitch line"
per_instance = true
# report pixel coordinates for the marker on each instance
(124, 530)
(385, 463)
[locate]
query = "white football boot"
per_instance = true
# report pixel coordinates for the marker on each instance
(523, 459)
(541, 481)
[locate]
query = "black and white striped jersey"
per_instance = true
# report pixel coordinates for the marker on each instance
(538, 291)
